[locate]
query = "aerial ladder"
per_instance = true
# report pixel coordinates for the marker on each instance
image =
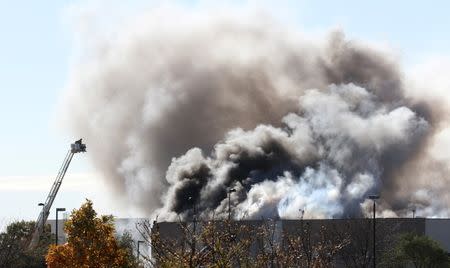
(76, 147)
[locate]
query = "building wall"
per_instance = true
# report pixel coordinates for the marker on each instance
(61, 235)
(439, 230)
(358, 231)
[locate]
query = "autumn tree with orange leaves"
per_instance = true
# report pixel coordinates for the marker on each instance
(90, 242)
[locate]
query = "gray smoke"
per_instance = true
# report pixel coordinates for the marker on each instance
(178, 109)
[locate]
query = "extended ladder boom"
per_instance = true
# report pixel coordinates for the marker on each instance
(76, 147)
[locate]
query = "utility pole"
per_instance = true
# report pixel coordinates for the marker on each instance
(232, 190)
(374, 197)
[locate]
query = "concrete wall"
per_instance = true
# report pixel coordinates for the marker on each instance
(358, 231)
(61, 234)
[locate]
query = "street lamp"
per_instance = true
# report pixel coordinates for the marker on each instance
(374, 197)
(138, 252)
(414, 212)
(232, 190)
(56, 224)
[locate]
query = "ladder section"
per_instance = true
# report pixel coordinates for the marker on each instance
(76, 147)
(55, 187)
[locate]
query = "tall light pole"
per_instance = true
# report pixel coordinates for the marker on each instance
(414, 212)
(232, 190)
(374, 197)
(190, 199)
(138, 252)
(56, 223)
(194, 229)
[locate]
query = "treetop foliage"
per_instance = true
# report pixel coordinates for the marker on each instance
(14, 251)
(420, 250)
(90, 242)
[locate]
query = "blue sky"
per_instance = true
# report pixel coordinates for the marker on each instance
(34, 52)
(36, 49)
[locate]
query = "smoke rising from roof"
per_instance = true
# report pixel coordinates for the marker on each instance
(178, 108)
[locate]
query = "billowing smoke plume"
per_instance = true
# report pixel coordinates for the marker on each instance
(177, 109)
(326, 157)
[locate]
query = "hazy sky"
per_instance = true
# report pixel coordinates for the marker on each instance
(37, 45)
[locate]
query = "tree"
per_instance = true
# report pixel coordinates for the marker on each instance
(225, 243)
(421, 251)
(90, 242)
(14, 242)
